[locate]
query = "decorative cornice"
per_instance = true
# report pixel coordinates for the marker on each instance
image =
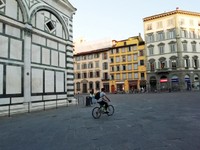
(177, 11)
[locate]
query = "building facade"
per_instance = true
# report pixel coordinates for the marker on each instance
(173, 50)
(91, 70)
(36, 53)
(127, 66)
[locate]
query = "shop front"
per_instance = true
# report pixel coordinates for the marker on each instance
(164, 86)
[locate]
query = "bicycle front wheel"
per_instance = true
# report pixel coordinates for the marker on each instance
(111, 110)
(96, 112)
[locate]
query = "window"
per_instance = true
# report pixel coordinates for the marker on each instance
(172, 47)
(151, 51)
(184, 33)
(159, 25)
(184, 47)
(112, 77)
(160, 36)
(117, 50)
(129, 67)
(171, 34)
(195, 62)
(135, 57)
(129, 58)
(150, 38)
(84, 58)
(96, 55)
(77, 58)
(78, 76)
(78, 66)
(192, 34)
(104, 55)
(149, 27)
(50, 25)
(191, 22)
(78, 87)
(97, 85)
(170, 22)
(118, 68)
(186, 62)
(124, 76)
(91, 74)
(112, 68)
(105, 76)
(174, 64)
(134, 47)
(152, 66)
(136, 75)
(129, 75)
(118, 76)
(97, 64)
(194, 48)
(124, 67)
(90, 57)
(112, 60)
(97, 74)
(135, 66)
(123, 49)
(91, 85)
(129, 49)
(123, 58)
(141, 62)
(117, 59)
(105, 65)
(141, 53)
(84, 66)
(90, 65)
(162, 64)
(161, 49)
(84, 75)
(142, 76)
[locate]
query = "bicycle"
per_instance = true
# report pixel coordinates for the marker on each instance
(98, 110)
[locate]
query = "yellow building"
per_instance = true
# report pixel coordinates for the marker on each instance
(127, 66)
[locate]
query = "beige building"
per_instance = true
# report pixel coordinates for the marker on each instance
(173, 50)
(91, 71)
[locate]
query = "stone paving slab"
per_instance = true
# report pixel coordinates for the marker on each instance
(160, 121)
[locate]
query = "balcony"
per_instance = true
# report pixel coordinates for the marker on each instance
(163, 70)
(105, 79)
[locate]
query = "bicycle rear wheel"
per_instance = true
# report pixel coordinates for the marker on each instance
(111, 110)
(96, 112)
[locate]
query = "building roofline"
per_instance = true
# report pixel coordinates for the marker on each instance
(177, 11)
(92, 51)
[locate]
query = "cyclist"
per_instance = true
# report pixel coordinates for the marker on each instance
(103, 100)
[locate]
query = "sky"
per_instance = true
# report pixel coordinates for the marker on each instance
(120, 19)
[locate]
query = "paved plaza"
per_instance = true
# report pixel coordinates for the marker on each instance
(159, 121)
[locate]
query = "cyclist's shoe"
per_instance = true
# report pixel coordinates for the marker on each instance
(106, 112)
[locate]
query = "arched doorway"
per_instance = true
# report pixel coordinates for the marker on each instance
(153, 84)
(112, 89)
(84, 86)
(164, 83)
(175, 83)
(196, 85)
(187, 82)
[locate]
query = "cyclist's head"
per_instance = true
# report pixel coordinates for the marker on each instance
(102, 89)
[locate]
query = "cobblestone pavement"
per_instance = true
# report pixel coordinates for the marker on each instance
(160, 121)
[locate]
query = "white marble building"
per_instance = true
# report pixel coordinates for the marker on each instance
(36, 54)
